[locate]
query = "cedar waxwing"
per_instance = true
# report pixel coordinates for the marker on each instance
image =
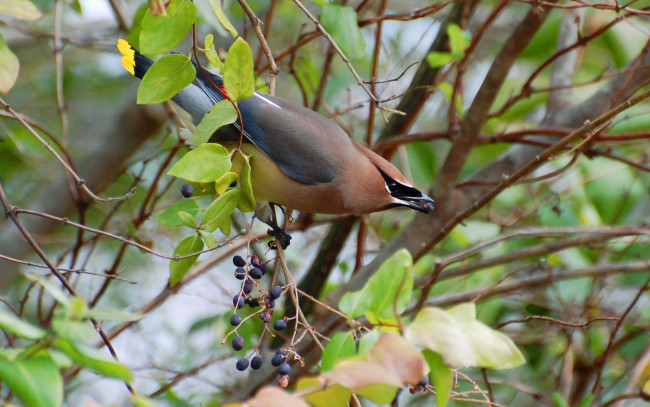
(299, 159)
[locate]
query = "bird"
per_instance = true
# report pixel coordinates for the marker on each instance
(300, 159)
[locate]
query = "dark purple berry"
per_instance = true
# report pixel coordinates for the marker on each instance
(255, 261)
(239, 261)
(279, 325)
(280, 352)
(238, 343)
(256, 273)
(424, 382)
(266, 317)
(235, 320)
(256, 362)
(239, 301)
(187, 190)
(284, 368)
(276, 292)
(240, 273)
(248, 286)
(253, 302)
(263, 268)
(242, 364)
(277, 360)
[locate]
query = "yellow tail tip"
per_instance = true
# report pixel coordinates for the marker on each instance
(128, 55)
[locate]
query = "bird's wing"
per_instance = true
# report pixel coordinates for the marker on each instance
(306, 146)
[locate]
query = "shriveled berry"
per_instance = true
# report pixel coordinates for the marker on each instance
(242, 364)
(276, 292)
(253, 302)
(256, 273)
(239, 301)
(280, 324)
(266, 317)
(284, 369)
(235, 320)
(248, 286)
(239, 261)
(187, 190)
(283, 381)
(270, 302)
(238, 343)
(240, 273)
(255, 261)
(256, 362)
(277, 360)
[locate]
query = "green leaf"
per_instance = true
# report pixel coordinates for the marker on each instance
(211, 52)
(391, 285)
(247, 201)
(461, 340)
(20, 9)
(178, 268)
(187, 219)
(206, 163)
(459, 40)
(587, 400)
(368, 340)
(341, 23)
(221, 114)
(59, 295)
(221, 16)
(437, 59)
(208, 238)
(442, 377)
(9, 66)
(331, 396)
(238, 77)
(35, 381)
(113, 315)
(16, 326)
(94, 360)
(559, 401)
(378, 393)
(222, 184)
(161, 34)
(340, 347)
(133, 37)
(169, 217)
(165, 79)
(219, 211)
(73, 330)
(143, 401)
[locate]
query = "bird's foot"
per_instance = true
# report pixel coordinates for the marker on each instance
(281, 237)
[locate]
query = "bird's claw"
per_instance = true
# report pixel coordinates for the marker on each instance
(281, 237)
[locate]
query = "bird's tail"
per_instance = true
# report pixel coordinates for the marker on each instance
(132, 60)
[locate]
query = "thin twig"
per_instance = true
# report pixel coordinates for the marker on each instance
(81, 183)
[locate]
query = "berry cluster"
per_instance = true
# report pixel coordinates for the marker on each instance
(280, 361)
(249, 273)
(419, 386)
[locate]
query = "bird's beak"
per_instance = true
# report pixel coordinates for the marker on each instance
(422, 203)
